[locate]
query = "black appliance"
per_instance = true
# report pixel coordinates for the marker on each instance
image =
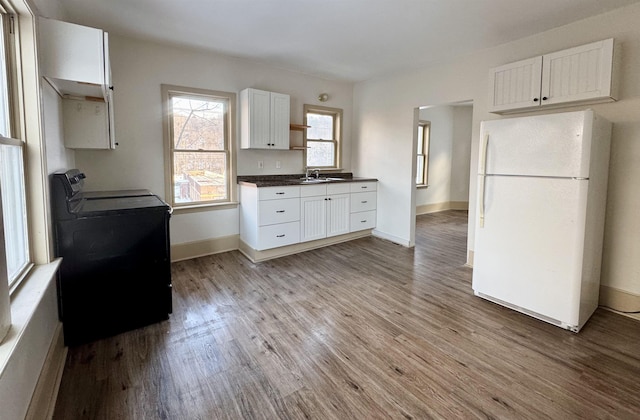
(115, 274)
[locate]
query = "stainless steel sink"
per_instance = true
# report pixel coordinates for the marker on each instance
(313, 180)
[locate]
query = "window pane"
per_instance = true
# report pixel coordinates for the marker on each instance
(420, 170)
(199, 176)
(198, 124)
(320, 153)
(321, 126)
(4, 89)
(420, 139)
(14, 209)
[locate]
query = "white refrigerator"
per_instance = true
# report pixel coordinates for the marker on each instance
(542, 188)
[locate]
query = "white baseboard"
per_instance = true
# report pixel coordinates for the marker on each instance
(392, 238)
(43, 401)
(445, 205)
(189, 250)
(619, 300)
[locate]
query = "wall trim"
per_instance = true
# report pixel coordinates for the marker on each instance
(43, 401)
(470, 255)
(268, 254)
(189, 250)
(445, 205)
(619, 300)
(392, 238)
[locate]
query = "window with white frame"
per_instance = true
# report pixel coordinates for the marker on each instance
(422, 153)
(12, 173)
(322, 137)
(199, 130)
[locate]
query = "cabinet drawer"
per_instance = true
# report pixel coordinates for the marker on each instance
(363, 186)
(363, 201)
(362, 220)
(278, 211)
(339, 188)
(282, 234)
(275, 193)
(313, 190)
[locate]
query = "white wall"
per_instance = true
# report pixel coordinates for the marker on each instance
(381, 126)
(461, 152)
(449, 154)
(440, 158)
(139, 68)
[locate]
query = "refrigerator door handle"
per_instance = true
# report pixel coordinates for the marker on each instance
(482, 170)
(482, 174)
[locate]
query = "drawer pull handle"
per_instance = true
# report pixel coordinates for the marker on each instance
(280, 236)
(279, 193)
(363, 221)
(364, 202)
(364, 188)
(279, 211)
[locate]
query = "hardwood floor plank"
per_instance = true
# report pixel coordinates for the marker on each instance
(365, 329)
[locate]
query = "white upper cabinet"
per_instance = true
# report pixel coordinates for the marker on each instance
(74, 58)
(264, 120)
(75, 61)
(578, 74)
(516, 85)
(582, 74)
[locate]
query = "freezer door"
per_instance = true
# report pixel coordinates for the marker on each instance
(529, 252)
(556, 145)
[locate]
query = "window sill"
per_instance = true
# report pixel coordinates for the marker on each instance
(24, 302)
(196, 208)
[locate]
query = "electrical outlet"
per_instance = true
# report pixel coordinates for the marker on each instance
(260, 164)
(278, 164)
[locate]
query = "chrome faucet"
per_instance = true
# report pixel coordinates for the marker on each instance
(316, 173)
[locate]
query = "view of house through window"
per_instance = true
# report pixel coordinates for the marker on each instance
(322, 136)
(424, 129)
(199, 146)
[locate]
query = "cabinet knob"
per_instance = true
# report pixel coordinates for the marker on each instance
(544, 98)
(535, 99)
(110, 87)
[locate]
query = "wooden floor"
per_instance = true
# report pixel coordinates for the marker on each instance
(362, 330)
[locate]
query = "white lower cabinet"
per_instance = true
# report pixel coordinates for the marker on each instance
(324, 211)
(272, 217)
(363, 206)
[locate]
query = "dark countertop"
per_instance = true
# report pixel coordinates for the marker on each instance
(295, 179)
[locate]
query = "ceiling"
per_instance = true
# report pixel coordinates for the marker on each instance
(349, 40)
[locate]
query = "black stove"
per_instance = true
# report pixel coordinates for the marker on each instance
(115, 274)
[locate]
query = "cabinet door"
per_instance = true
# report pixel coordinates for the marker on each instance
(578, 74)
(280, 118)
(86, 124)
(259, 119)
(515, 85)
(313, 218)
(72, 53)
(338, 214)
